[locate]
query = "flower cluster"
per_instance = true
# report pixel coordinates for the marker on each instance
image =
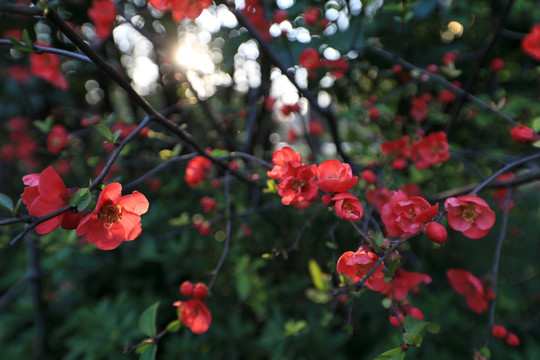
(181, 8)
(430, 150)
(115, 219)
(193, 312)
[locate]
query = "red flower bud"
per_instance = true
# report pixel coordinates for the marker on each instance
(499, 331)
(327, 199)
(200, 291)
(186, 288)
(512, 339)
(436, 232)
(369, 176)
(524, 134)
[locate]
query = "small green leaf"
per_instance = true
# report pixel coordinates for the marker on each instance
(17, 206)
(26, 39)
(415, 326)
(116, 135)
(378, 239)
(387, 303)
(393, 354)
(15, 42)
(149, 353)
(176, 150)
(271, 186)
(485, 352)
(80, 199)
(331, 245)
(316, 275)
(147, 320)
(6, 202)
(414, 340)
(45, 125)
(174, 326)
(142, 348)
(105, 131)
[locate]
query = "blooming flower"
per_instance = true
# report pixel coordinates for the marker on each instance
(431, 150)
(116, 218)
(46, 193)
(348, 206)
(356, 265)
(281, 159)
(103, 14)
(47, 67)
(409, 310)
(194, 314)
(530, 44)
(404, 215)
(335, 176)
(470, 215)
(465, 283)
(378, 197)
(298, 185)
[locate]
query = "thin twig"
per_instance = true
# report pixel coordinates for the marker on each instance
(45, 49)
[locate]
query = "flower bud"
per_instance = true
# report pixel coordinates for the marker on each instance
(499, 331)
(436, 232)
(186, 288)
(512, 339)
(200, 291)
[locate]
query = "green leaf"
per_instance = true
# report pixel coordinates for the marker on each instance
(415, 326)
(80, 199)
(393, 354)
(485, 352)
(45, 125)
(142, 348)
(15, 42)
(105, 131)
(414, 340)
(116, 135)
(5, 202)
(378, 239)
(331, 245)
(26, 39)
(174, 326)
(147, 320)
(316, 275)
(149, 353)
(317, 296)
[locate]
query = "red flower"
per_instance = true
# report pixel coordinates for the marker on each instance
(399, 149)
(449, 57)
(46, 193)
(369, 176)
(194, 314)
(186, 288)
(196, 170)
(470, 215)
(335, 176)
(310, 59)
(524, 134)
(291, 135)
(47, 67)
(116, 218)
(404, 281)
(312, 15)
(281, 159)
(315, 128)
(103, 14)
(298, 185)
(530, 44)
(208, 203)
(446, 96)
(18, 73)
(356, 265)
(404, 216)
(374, 113)
(57, 139)
(431, 150)
(200, 291)
(348, 206)
(419, 109)
(465, 283)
